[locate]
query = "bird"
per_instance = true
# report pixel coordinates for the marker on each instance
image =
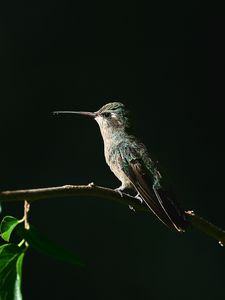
(129, 160)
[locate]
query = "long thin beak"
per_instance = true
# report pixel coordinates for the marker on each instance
(83, 113)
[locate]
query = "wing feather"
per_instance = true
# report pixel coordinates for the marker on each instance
(158, 202)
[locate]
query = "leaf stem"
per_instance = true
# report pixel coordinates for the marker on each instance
(26, 214)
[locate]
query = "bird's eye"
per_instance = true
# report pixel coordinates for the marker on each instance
(106, 114)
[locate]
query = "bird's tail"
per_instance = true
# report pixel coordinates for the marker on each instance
(172, 209)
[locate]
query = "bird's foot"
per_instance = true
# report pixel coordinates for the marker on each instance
(138, 196)
(119, 190)
(190, 212)
(131, 208)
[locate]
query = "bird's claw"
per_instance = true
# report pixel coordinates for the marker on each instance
(131, 207)
(138, 196)
(118, 190)
(190, 212)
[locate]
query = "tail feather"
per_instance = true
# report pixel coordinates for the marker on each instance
(163, 205)
(176, 214)
(155, 206)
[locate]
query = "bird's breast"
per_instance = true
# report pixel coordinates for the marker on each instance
(114, 161)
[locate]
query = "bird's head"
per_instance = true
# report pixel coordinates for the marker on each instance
(112, 115)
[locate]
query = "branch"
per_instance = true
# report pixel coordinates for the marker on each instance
(93, 191)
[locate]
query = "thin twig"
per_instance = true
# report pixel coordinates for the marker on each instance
(93, 191)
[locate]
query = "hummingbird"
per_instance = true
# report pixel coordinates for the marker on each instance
(129, 160)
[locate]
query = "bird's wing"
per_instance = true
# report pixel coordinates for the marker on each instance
(155, 198)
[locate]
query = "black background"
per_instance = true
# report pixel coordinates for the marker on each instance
(168, 68)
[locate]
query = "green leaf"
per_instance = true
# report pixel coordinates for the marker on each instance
(7, 226)
(11, 260)
(42, 244)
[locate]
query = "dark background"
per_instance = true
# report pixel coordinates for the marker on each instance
(168, 68)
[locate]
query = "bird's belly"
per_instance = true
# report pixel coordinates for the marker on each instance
(116, 168)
